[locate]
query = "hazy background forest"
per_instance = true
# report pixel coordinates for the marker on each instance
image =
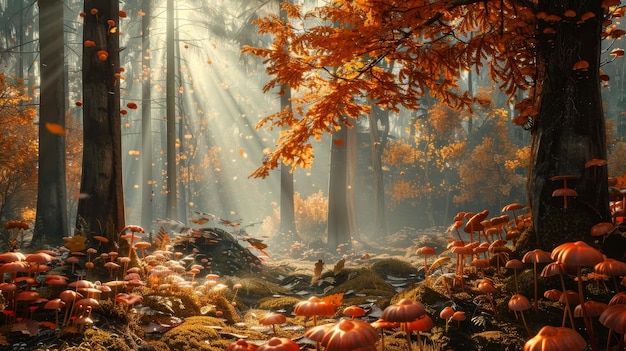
(435, 161)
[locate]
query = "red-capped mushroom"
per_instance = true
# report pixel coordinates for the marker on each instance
(421, 324)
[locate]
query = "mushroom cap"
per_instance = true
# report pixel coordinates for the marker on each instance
(27, 296)
(552, 294)
(577, 253)
(611, 267)
(314, 306)
(602, 228)
(273, 318)
(486, 286)
(425, 250)
(381, 324)
(39, 257)
(519, 302)
(537, 256)
(403, 311)
(592, 309)
(349, 334)
(14, 267)
(446, 312)
(571, 296)
(317, 333)
(423, 323)
(354, 311)
(614, 317)
(459, 316)
(512, 207)
(618, 299)
(239, 345)
(555, 268)
(279, 344)
(514, 264)
(551, 338)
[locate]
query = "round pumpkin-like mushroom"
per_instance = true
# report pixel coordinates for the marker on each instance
(279, 344)
(403, 312)
(552, 338)
(350, 335)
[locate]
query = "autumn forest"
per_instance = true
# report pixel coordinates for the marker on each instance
(310, 130)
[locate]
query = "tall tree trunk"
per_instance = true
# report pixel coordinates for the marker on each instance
(51, 219)
(570, 128)
(171, 202)
(338, 220)
(147, 187)
(101, 207)
(287, 207)
(379, 226)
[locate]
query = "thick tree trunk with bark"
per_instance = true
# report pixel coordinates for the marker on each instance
(147, 186)
(570, 128)
(338, 219)
(51, 220)
(101, 207)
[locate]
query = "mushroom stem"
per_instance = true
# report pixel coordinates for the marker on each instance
(568, 309)
(536, 288)
(408, 336)
(586, 319)
(525, 324)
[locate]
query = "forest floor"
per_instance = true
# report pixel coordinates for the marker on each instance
(201, 316)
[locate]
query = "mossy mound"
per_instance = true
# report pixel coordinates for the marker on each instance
(363, 281)
(284, 303)
(195, 333)
(253, 289)
(393, 267)
(174, 304)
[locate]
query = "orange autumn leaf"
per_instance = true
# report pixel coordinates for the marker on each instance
(55, 128)
(334, 299)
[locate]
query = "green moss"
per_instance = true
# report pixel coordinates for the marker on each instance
(364, 281)
(195, 333)
(97, 339)
(271, 303)
(393, 267)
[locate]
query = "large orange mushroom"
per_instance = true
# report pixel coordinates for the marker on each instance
(579, 254)
(421, 324)
(614, 318)
(279, 344)
(314, 307)
(551, 338)
(403, 312)
(349, 334)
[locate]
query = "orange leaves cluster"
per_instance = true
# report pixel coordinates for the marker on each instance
(18, 150)
(337, 57)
